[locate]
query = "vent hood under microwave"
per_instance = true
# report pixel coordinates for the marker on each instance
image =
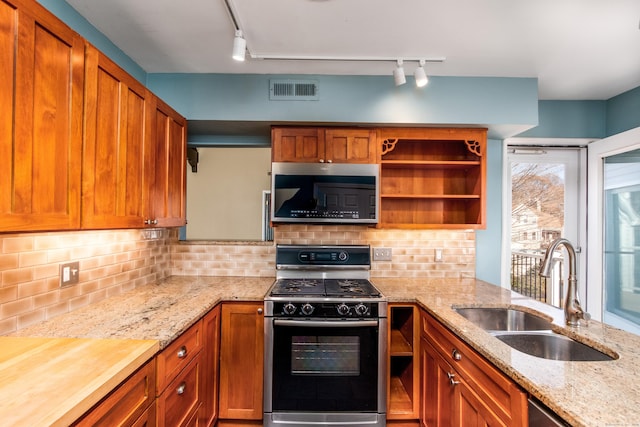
(319, 193)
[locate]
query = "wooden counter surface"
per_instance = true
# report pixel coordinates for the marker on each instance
(53, 381)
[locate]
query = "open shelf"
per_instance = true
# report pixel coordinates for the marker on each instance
(432, 178)
(403, 362)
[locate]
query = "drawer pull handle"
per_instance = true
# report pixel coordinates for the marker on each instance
(259, 311)
(456, 355)
(452, 381)
(181, 388)
(182, 353)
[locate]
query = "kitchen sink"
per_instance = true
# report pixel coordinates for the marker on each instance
(549, 345)
(504, 319)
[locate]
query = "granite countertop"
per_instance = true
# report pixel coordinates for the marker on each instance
(583, 393)
(160, 311)
(605, 393)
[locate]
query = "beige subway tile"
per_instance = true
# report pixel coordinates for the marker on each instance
(16, 307)
(30, 318)
(17, 244)
(8, 293)
(19, 275)
(9, 261)
(57, 309)
(8, 325)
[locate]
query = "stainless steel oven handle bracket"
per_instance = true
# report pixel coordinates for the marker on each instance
(325, 323)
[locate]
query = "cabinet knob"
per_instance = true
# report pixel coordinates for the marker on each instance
(147, 221)
(455, 354)
(182, 353)
(154, 222)
(321, 160)
(260, 311)
(181, 388)
(452, 380)
(329, 161)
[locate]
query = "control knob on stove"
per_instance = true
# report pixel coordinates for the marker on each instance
(343, 309)
(289, 308)
(307, 309)
(361, 309)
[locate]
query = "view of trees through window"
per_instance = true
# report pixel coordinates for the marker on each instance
(537, 218)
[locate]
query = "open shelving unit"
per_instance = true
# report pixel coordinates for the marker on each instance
(403, 361)
(432, 177)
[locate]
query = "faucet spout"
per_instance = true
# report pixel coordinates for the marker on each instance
(573, 312)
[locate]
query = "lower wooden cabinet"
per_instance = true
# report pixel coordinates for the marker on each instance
(131, 403)
(241, 362)
(460, 388)
(210, 367)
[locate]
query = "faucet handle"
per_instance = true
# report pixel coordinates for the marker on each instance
(586, 316)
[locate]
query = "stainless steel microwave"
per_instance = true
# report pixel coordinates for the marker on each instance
(339, 193)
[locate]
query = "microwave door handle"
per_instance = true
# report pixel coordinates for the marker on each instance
(325, 323)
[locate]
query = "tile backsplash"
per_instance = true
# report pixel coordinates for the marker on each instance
(114, 261)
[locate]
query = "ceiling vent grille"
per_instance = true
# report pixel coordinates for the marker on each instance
(293, 90)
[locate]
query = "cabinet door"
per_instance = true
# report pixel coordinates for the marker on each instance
(350, 145)
(436, 389)
(297, 144)
(165, 168)
(241, 361)
(41, 90)
(470, 410)
(116, 116)
(210, 365)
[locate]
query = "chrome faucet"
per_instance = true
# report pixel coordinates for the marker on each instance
(572, 310)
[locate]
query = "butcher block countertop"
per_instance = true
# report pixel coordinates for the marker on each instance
(53, 381)
(583, 393)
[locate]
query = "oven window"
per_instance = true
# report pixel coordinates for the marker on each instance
(325, 355)
(319, 368)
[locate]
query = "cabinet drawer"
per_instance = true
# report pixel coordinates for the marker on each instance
(494, 388)
(127, 402)
(178, 354)
(182, 397)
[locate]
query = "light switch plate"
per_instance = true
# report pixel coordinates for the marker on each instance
(69, 273)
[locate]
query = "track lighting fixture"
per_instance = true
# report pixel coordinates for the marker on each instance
(420, 75)
(398, 74)
(239, 46)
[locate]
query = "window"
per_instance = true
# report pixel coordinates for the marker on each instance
(614, 231)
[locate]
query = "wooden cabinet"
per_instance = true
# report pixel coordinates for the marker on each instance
(165, 168)
(459, 387)
(432, 178)
(41, 90)
(117, 120)
(132, 403)
(403, 365)
(179, 379)
(210, 367)
(241, 362)
(317, 144)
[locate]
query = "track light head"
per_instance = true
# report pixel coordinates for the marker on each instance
(420, 75)
(398, 74)
(239, 46)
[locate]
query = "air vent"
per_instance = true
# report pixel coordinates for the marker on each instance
(293, 90)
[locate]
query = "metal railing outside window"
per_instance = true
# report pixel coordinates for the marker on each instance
(526, 280)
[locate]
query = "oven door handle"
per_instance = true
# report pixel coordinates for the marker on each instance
(326, 323)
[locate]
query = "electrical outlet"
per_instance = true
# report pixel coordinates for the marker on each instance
(438, 255)
(382, 254)
(69, 273)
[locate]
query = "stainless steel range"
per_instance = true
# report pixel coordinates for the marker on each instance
(325, 340)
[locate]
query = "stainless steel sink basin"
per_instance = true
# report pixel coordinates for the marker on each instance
(549, 345)
(504, 319)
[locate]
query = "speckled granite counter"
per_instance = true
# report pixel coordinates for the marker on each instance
(583, 393)
(159, 311)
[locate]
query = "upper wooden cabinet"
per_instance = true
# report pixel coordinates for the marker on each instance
(84, 144)
(117, 116)
(41, 90)
(317, 144)
(165, 167)
(432, 177)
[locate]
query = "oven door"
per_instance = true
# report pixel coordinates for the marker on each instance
(325, 370)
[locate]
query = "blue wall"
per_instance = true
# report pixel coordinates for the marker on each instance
(623, 112)
(570, 119)
(502, 104)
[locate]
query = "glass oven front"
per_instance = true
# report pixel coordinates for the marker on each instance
(326, 366)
